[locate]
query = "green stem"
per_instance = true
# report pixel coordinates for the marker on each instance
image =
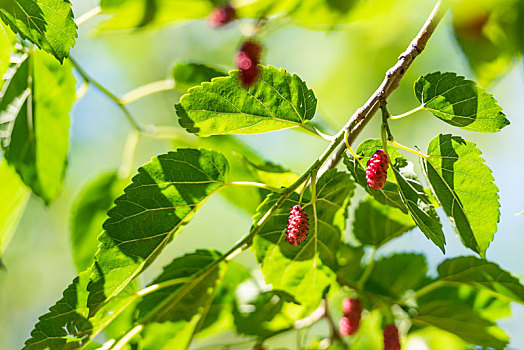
(158, 286)
(146, 90)
(367, 271)
(408, 113)
(332, 325)
(255, 184)
(398, 145)
(88, 15)
(128, 158)
(313, 130)
(127, 337)
(106, 92)
(425, 290)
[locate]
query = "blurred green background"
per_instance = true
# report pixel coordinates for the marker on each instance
(343, 67)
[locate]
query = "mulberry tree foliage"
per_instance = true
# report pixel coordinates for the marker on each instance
(320, 242)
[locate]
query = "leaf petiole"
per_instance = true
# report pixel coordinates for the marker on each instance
(398, 145)
(255, 184)
(408, 113)
(368, 270)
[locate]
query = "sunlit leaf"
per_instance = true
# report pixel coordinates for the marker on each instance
(219, 317)
(163, 197)
(66, 324)
(262, 310)
(461, 320)
(464, 186)
(304, 271)
(348, 260)
(276, 101)
(483, 274)
(173, 314)
(89, 213)
(312, 14)
(420, 207)
(34, 120)
(375, 224)
(187, 75)
(489, 38)
(47, 23)
(394, 275)
(131, 14)
(460, 102)
(14, 199)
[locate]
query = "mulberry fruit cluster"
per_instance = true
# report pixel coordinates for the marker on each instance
(350, 322)
(377, 170)
(221, 15)
(247, 60)
(391, 340)
(297, 226)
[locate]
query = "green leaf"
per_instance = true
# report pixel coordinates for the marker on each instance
(7, 39)
(89, 213)
(187, 75)
(161, 200)
(14, 199)
(276, 101)
(262, 310)
(174, 314)
(270, 173)
(312, 14)
(244, 197)
(464, 186)
(348, 260)
(435, 338)
(375, 224)
(461, 320)
(460, 102)
(483, 274)
(402, 189)
(489, 38)
(66, 324)
(35, 122)
(306, 270)
(389, 195)
(487, 304)
(420, 207)
(47, 23)
(132, 14)
(393, 275)
(219, 317)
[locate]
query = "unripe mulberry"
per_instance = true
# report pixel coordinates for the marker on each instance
(391, 340)
(247, 60)
(377, 170)
(297, 226)
(221, 15)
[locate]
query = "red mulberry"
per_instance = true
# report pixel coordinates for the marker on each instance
(350, 323)
(377, 170)
(222, 15)
(298, 226)
(247, 60)
(391, 340)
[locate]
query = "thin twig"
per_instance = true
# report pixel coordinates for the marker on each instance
(392, 80)
(106, 92)
(88, 15)
(332, 325)
(146, 90)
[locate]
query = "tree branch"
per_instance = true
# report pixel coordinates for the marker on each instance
(391, 81)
